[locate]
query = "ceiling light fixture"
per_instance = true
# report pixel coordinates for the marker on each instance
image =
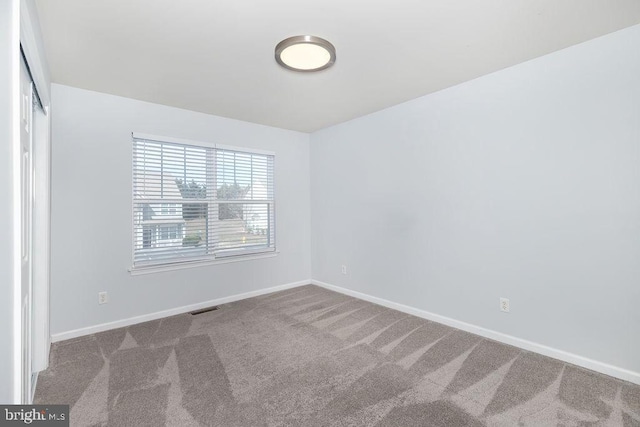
(305, 53)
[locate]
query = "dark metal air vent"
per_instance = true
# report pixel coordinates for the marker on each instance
(205, 310)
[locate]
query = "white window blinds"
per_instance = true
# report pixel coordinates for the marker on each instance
(193, 202)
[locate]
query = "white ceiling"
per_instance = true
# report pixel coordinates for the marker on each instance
(216, 56)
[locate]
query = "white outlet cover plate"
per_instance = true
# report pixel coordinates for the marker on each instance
(103, 298)
(504, 305)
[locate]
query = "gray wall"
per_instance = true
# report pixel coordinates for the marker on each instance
(91, 210)
(8, 75)
(521, 184)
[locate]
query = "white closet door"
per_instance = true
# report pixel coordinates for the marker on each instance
(26, 227)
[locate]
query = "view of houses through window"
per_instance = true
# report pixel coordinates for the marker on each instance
(192, 202)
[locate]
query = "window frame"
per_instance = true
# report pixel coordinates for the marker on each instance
(215, 257)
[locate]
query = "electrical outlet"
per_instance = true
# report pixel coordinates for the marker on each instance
(504, 305)
(344, 269)
(103, 298)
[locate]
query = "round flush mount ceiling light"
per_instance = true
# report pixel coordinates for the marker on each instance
(305, 53)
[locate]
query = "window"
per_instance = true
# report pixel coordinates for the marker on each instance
(171, 232)
(194, 202)
(169, 208)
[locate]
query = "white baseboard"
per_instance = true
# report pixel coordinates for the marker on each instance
(34, 384)
(171, 312)
(575, 359)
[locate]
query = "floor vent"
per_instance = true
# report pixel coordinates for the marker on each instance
(205, 310)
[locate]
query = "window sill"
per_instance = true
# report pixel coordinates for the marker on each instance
(136, 271)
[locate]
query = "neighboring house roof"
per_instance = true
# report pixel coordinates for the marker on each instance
(156, 186)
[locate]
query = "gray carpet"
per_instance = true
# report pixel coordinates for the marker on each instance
(311, 357)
